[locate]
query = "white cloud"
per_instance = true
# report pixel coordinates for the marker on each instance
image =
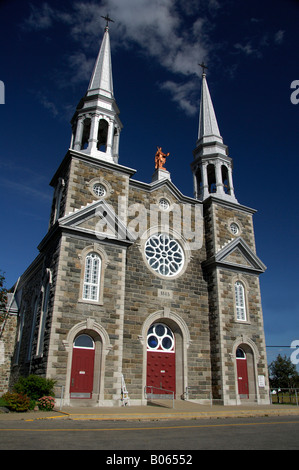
(40, 18)
(183, 94)
(256, 45)
(156, 27)
(82, 67)
(279, 36)
(47, 104)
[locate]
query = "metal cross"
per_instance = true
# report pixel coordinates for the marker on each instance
(107, 20)
(203, 67)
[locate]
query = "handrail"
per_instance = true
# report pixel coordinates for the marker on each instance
(171, 392)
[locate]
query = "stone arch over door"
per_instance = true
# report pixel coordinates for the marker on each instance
(102, 348)
(182, 342)
(252, 359)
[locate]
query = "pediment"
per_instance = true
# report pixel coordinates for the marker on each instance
(164, 185)
(237, 255)
(98, 219)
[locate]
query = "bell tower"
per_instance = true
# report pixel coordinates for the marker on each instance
(212, 167)
(96, 124)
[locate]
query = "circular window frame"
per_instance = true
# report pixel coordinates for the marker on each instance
(164, 204)
(172, 247)
(105, 184)
(100, 186)
(233, 222)
(234, 228)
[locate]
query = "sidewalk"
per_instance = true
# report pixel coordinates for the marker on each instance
(182, 410)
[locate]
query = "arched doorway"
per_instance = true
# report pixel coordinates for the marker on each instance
(82, 372)
(242, 373)
(161, 361)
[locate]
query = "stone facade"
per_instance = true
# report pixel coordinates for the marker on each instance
(7, 344)
(137, 282)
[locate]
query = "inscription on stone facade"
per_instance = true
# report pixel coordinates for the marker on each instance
(165, 294)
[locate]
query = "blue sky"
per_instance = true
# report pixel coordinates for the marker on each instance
(48, 50)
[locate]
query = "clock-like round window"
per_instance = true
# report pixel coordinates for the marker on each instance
(234, 228)
(164, 254)
(99, 189)
(163, 204)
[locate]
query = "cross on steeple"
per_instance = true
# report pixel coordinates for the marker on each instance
(107, 20)
(203, 68)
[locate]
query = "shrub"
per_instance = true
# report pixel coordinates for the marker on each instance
(46, 403)
(16, 401)
(35, 386)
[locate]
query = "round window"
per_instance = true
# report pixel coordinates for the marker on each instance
(99, 189)
(164, 204)
(160, 338)
(164, 255)
(234, 228)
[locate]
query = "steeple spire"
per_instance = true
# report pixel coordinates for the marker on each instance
(101, 79)
(208, 125)
(96, 125)
(212, 167)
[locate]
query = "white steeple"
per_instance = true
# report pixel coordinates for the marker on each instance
(208, 126)
(96, 125)
(212, 167)
(101, 80)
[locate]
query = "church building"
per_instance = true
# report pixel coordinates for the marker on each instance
(139, 291)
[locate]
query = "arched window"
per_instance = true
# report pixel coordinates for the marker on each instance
(102, 135)
(211, 178)
(225, 181)
(240, 301)
(85, 133)
(160, 338)
(44, 312)
(92, 277)
(240, 354)
(199, 183)
(84, 341)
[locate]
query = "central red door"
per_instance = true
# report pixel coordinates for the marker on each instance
(160, 360)
(82, 372)
(161, 371)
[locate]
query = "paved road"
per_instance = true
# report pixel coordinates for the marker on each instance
(274, 433)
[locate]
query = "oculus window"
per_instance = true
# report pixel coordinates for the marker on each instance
(164, 255)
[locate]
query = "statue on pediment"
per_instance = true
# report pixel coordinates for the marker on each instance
(160, 159)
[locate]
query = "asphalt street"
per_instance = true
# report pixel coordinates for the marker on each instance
(181, 437)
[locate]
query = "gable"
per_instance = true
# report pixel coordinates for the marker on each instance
(164, 185)
(238, 256)
(98, 219)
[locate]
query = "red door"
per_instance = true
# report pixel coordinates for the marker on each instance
(242, 377)
(82, 373)
(160, 360)
(161, 372)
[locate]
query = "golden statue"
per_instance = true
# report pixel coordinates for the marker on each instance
(160, 159)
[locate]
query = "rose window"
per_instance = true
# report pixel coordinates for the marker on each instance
(164, 255)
